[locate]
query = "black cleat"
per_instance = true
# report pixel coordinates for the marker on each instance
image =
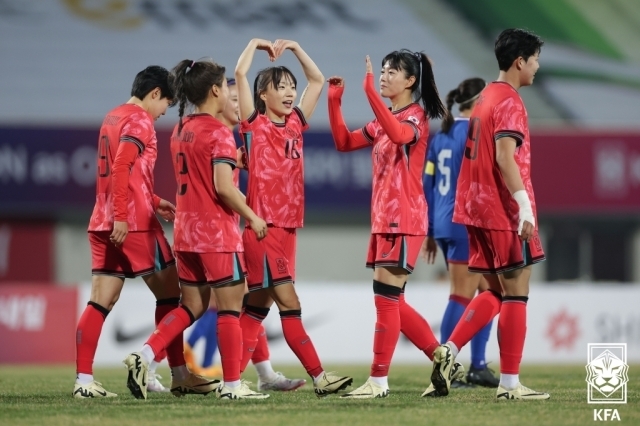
(482, 377)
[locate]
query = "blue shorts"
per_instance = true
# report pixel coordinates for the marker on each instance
(455, 250)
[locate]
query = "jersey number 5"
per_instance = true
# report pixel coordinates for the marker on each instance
(445, 184)
(473, 137)
(181, 161)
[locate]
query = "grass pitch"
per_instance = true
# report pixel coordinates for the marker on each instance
(42, 396)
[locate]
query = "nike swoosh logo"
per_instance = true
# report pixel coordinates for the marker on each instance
(101, 393)
(123, 336)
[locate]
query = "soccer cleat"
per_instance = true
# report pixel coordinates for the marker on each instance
(330, 383)
(193, 385)
(213, 371)
(91, 390)
(241, 392)
(442, 365)
(521, 393)
(280, 383)
(137, 379)
(369, 390)
(482, 377)
(459, 384)
(457, 372)
(153, 383)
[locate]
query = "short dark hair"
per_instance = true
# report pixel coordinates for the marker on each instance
(269, 77)
(150, 78)
(513, 43)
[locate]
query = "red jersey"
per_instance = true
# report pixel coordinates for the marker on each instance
(127, 123)
(482, 197)
(275, 190)
(204, 224)
(398, 205)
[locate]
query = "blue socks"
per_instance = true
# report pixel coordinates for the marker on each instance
(453, 313)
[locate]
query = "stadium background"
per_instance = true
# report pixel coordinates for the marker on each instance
(67, 62)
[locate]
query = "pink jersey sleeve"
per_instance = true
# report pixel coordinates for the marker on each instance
(138, 130)
(224, 147)
(297, 116)
(369, 130)
(510, 118)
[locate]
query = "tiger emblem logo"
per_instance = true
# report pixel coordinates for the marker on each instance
(607, 373)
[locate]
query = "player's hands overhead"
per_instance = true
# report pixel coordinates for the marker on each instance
(120, 231)
(336, 81)
(429, 250)
(369, 66)
(166, 210)
(267, 46)
(279, 46)
(259, 226)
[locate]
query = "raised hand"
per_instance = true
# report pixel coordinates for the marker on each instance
(267, 46)
(369, 66)
(336, 81)
(279, 46)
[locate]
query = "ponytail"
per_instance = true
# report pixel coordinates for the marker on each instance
(180, 71)
(429, 92)
(447, 122)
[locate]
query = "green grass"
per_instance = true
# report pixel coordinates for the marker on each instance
(42, 395)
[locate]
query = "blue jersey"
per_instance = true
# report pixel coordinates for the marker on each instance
(440, 179)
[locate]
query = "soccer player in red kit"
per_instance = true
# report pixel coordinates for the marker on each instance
(495, 201)
(207, 239)
(272, 128)
(398, 136)
(125, 236)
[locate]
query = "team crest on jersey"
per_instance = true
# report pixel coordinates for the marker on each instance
(281, 265)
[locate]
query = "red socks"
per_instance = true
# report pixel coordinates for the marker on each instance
(482, 309)
(251, 324)
(416, 328)
(299, 341)
(175, 350)
(261, 352)
(387, 329)
(171, 326)
(512, 328)
(87, 336)
(230, 344)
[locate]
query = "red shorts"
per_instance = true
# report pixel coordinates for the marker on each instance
(214, 269)
(272, 260)
(394, 250)
(495, 252)
(142, 253)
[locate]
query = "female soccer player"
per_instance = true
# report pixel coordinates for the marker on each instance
(399, 210)
(495, 200)
(207, 240)
(272, 127)
(444, 158)
(126, 238)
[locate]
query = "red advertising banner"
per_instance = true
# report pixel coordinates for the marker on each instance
(26, 251)
(37, 323)
(577, 172)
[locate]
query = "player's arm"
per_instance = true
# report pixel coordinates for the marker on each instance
(128, 150)
(245, 94)
(315, 79)
(429, 246)
(344, 139)
(505, 152)
(399, 133)
(164, 208)
(232, 197)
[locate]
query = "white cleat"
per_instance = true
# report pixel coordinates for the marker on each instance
(369, 390)
(241, 392)
(137, 378)
(193, 385)
(521, 393)
(331, 383)
(91, 390)
(153, 383)
(280, 383)
(442, 366)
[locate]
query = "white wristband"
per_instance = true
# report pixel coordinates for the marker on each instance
(526, 211)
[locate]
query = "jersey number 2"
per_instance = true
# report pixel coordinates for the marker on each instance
(445, 183)
(181, 161)
(473, 137)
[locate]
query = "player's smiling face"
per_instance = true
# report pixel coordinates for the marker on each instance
(528, 69)
(393, 81)
(280, 99)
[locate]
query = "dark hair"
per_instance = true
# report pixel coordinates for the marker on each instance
(231, 81)
(269, 76)
(193, 80)
(150, 78)
(513, 43)
(463, 95)
(424, 89)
